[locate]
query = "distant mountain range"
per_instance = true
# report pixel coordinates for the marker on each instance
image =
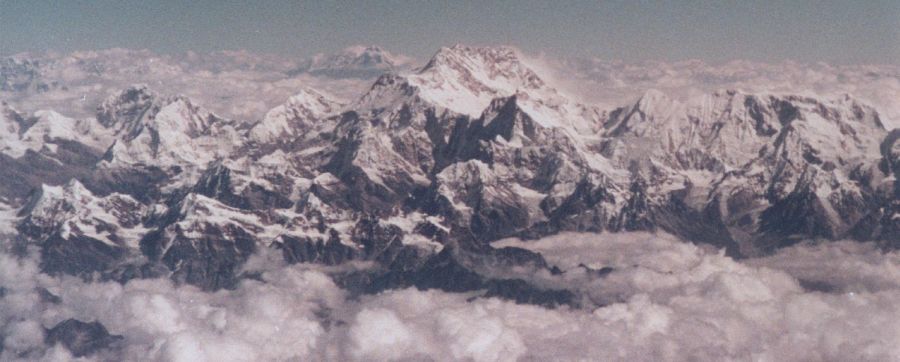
(427, 168)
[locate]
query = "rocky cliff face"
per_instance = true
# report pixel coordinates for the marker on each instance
(428, 167)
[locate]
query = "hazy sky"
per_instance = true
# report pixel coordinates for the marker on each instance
(846, 31)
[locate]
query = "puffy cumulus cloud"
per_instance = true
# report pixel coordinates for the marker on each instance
(665, 300)
(412, 324)
(380, 333)
(286, 315)
(677, 301)
(845, 266)
(719, 323)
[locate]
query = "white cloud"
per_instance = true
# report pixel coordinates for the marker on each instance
(237, 85)
(243, 85)
(670, 301)
(611, 83)
(845, 266)
(664, 300)
(379, 334)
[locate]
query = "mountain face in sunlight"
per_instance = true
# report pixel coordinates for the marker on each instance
(441, 205)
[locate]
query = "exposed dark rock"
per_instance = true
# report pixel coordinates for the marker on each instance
(599, 273)
(82, 339)
(47, 297)
(521, 292)
(211, 261)
(129, 271)
(354, 186)
(22, 175)
(460, 271)
(216, 183)
(80, 255)
(818, 286)
(142, 183)
(307, 250)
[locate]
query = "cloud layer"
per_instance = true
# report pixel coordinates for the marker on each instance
(236, 85)
(611, 83)
(667, 300)
(243, 85)
(663, 300)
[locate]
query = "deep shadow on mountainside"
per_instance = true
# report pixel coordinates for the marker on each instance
(426, 169)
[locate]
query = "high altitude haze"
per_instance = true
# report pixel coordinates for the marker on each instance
(833, 31)
(372, 182)
(400, 224)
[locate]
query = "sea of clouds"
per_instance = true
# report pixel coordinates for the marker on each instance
(668, 301)
(665, 299)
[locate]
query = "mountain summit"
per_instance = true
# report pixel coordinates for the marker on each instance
(430, 166)
(356, 62)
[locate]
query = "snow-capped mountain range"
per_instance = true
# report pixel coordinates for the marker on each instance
(234, 84)
(428, 167)
(356, 62)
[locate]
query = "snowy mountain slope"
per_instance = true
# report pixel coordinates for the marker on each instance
(80, 232)
(356, 62)
(782, 150)
(417, 121)
(717, 123)
(45, 147)
(46, 130)
(613, 83)
(466, 79)
(429, 166)
(301, 113)
(180, 133)
(233, 84)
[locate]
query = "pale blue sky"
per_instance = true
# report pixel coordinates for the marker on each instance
(833, 31)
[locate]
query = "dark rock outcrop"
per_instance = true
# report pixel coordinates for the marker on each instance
(82, 339)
